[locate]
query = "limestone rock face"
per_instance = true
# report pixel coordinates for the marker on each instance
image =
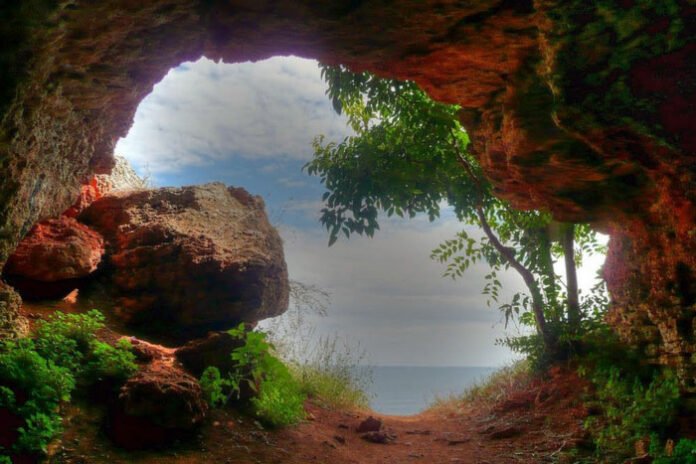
(192, 259)
(121, 177)
(12, 324)
(55, 250)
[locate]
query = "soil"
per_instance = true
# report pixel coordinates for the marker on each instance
(535, 422)
(538, 425)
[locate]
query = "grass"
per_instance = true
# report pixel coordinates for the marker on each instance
(333, 388)
(493, 389)
(328, 369)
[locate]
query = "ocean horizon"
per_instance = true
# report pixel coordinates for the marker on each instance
(402, 390)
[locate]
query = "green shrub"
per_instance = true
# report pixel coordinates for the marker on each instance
(45, 369)
(44, 384)
(278, 399)
(632, 410)
(216, 390)
(70, 341)
(116, 363)
(684, 452)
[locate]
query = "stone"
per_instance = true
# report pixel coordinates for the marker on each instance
(187, 260)
(159, 404)
(122, 177)
(57, 249)
(505, 432)
(213, 350)
(53, 257)
(369, 425)
(12, 323)
(381, 437)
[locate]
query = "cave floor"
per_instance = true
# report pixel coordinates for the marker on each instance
(540, 422)
(539, 425)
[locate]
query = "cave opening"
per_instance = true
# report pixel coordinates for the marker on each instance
(569, 111)
(251, 126)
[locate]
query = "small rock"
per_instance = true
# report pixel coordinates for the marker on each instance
(459, 441)
(507, 432)
(340, 439)
(369, 425)
(380, 437)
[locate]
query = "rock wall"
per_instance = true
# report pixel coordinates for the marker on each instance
(581, 108)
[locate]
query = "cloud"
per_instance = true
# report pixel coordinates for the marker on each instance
(203, 111)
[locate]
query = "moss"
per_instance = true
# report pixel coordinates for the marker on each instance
(593, 48)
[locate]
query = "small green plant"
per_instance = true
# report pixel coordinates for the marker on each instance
(278, 399)
(38, 374)
(215, 387)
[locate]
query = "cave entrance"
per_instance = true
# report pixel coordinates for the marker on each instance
(384, 301)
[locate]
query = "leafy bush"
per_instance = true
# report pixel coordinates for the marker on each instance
(215, 388)
(683, 453)
(38, 374)
(635, 400)
(32, 388)
(278, 399)
(70, 340)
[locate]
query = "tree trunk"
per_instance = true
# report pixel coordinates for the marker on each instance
(529, 280)
(574, 314)
(549, 274)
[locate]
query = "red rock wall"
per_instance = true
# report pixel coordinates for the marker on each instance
(581, 108)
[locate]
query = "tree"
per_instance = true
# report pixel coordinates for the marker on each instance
(408, 156)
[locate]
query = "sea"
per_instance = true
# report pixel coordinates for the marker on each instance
(407, 390)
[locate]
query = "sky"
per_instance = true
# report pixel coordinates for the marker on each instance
(251, 125)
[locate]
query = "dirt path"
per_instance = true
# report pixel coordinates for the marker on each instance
(533, 426)
(529, 424)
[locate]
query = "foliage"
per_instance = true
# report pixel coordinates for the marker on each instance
(214, 387)
(70, 340)
(633, 409)
(684, 452)
(635, 400)
(33, 388)
(408, 156)
(44, 370)
(329, 369)
(278, 399)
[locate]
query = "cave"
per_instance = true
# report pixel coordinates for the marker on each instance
(584, 110)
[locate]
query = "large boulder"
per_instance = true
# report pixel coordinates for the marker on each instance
(192, 259)
(53, 257)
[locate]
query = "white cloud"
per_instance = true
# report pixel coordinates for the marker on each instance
(204, 111)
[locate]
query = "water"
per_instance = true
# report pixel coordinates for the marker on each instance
(395, 390)
(405, 390)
